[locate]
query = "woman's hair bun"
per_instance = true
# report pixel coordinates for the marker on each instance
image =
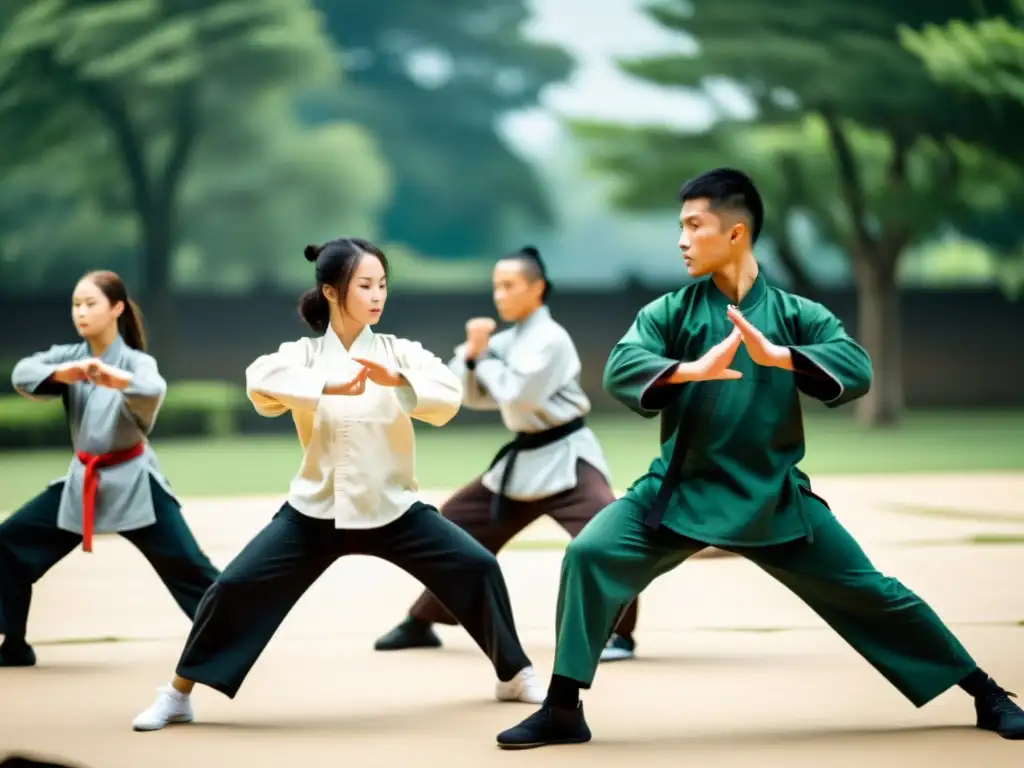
(311, 252)
(529, 250)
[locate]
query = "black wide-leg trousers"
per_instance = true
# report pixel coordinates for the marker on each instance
(245, 606)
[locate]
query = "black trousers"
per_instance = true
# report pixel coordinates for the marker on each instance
(245, 606)
(31, 544)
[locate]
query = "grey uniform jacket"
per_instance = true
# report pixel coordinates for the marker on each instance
(531, 376)
(103, 420)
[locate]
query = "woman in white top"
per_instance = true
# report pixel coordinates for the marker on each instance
(353, 395)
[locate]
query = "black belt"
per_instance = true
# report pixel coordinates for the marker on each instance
(526, 441)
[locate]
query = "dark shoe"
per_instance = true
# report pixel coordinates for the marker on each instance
(409, 634)
(547, 726)
(619, 649)
(17, 655)
(997, 712)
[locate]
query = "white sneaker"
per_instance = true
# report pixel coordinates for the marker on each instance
(525, 687)
(170, 707)
(618, 649)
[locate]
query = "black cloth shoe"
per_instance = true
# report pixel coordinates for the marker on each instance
(409, 634)
(14, 654)
(19, 761)
(997, 712)
(547, 726)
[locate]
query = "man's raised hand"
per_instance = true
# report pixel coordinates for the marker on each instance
(478, 335)
(712, 366)
(761, 350)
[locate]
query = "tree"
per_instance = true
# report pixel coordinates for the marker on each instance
(986, 56)
(265, 187)
(647, 165)
(842, 68)
(433, 79)
(148, 77)
(54, 226)
(257, 192)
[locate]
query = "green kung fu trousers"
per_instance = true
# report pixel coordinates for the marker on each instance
(616, 556)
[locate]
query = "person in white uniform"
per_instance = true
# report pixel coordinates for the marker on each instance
(554, 466)
(353, 395)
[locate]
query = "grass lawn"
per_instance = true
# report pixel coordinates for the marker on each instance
(448, 457)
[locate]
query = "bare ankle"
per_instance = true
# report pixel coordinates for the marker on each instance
(182, 686)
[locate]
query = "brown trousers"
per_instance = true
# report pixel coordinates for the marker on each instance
(470, 509)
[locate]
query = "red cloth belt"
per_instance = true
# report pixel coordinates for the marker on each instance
(93, 463)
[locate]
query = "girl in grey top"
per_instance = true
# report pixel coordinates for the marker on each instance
(111, 391)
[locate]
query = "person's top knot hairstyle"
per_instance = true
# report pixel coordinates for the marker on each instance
(533, 266)
(311, 252)
(728, 189)
(336, 262)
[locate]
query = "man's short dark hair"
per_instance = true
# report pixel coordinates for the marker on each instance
(730, 190)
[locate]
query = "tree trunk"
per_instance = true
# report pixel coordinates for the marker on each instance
(792, 200)
(874, 260)
(160, 225)
(158, 247)
(158, 218)
(880, 331)
(154, 195)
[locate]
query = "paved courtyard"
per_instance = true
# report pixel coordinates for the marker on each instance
(733, 670)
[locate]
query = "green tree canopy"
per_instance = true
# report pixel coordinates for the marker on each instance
(433, 79)
(258, 191)
(984, 56)
(147, 78)
(849, 129)
(264, 188)
(57, 221)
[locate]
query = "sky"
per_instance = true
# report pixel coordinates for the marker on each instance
(596, 32)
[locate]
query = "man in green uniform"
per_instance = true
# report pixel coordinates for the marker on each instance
(724, 360)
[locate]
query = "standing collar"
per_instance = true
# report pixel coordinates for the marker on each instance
(757, 292)
(361, 346)
(112, 354)
(539, 315)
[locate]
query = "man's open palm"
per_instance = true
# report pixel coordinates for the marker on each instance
(714, 364)
(761, 351)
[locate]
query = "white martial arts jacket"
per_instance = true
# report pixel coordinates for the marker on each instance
(530, 374)
(359, 461)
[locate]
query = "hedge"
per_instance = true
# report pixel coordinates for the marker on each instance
(191, 409)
